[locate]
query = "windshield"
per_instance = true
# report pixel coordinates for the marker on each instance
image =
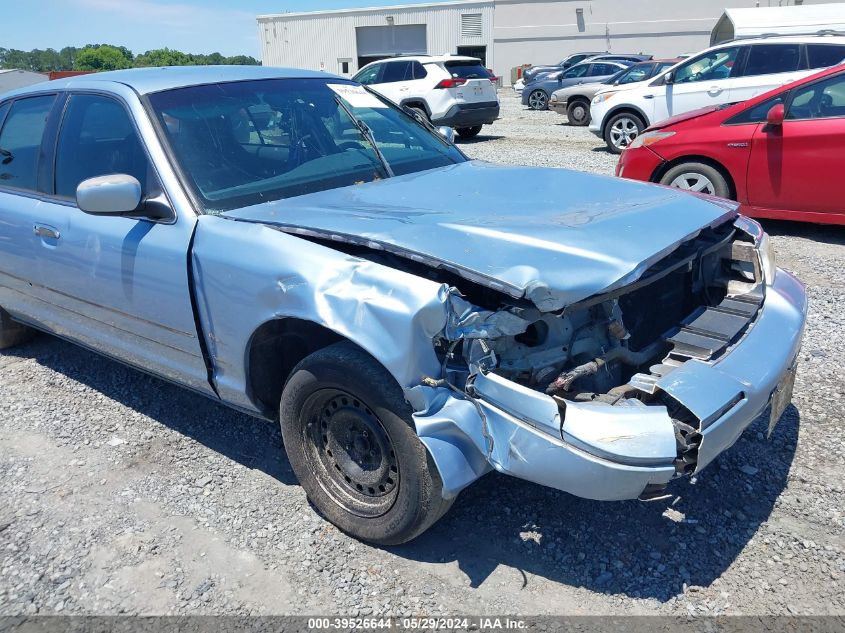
(246, 142)
(640, 72)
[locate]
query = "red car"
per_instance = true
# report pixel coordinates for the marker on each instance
(779, 154)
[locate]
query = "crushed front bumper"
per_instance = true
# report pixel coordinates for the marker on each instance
(609, 452)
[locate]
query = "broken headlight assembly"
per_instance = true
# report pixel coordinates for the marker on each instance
(767, 258)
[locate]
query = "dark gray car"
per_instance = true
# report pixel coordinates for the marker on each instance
(536, 94)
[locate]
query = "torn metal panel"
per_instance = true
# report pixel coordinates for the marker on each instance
(525, 452)
(638, 435)
(454, 432)
(533, 407)
(526, 246)
(753, 367)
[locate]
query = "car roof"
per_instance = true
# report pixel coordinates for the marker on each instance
(155, 79)
(426, 59)
(819, 38)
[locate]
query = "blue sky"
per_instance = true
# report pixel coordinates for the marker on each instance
(193, 26)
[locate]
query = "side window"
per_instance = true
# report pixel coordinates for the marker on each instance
(758, 113)
(20, 141)
(577, 71)
(601, 70)
(825, 55)
(821, 100)
(769, 59)
(396, 71)
(97, 138)
(368, 75)
(419, 70)
(711, 66)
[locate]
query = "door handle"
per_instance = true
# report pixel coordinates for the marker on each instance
(42, 230)
(714, 91)
(648, 96)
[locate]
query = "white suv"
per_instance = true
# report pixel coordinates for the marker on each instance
(727, 73)
(448, 90)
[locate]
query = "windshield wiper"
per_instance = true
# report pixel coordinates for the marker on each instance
(367, 133)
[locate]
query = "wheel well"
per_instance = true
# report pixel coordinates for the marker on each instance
(575, 98)
(417, 103)
(662, 169)
(275, 348)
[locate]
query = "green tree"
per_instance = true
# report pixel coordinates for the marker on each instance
(103, 57)
(242, 60)
(162, 57)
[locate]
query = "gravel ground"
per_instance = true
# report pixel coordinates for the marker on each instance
(123, 494)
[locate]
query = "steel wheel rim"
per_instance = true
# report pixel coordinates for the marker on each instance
(693, 181)
(623, 132)
(351, 453)
(537, 100)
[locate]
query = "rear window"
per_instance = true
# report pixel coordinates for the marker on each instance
(467, 70)
(824, 55)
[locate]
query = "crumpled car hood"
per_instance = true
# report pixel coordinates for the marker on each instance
(552, 236)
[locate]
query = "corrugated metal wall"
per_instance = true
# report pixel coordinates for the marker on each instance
(318, 40)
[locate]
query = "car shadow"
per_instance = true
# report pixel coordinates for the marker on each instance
(481, 138)
(250, 441)
(646, 550)
(828, 233)
(642, 550)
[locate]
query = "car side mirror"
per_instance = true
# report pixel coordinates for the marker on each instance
(669, 78)
(447, 133)
(776, 115)
(113, 194)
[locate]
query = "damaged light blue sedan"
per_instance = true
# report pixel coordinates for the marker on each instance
(301, 249)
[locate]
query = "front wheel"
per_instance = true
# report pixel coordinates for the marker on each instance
(578, 112)
(698, 177)
(468, 132)
(538, 100)
(350, 440)
(621, 131)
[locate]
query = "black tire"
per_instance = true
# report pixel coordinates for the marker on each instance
(578, 112)
(700, 177)
(421, 111)
(623, 124)
(351, 442)
(468, 132)
(11, 332)
(538, 100)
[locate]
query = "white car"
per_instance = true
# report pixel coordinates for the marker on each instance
(727, 73)
(519, 85)
(448, 90)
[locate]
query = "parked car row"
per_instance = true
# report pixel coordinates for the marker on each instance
(752, 120)
(727, 73)
(779, 154)
(536, 95)
(574, 101)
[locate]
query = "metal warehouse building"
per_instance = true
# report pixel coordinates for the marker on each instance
(504, 33)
